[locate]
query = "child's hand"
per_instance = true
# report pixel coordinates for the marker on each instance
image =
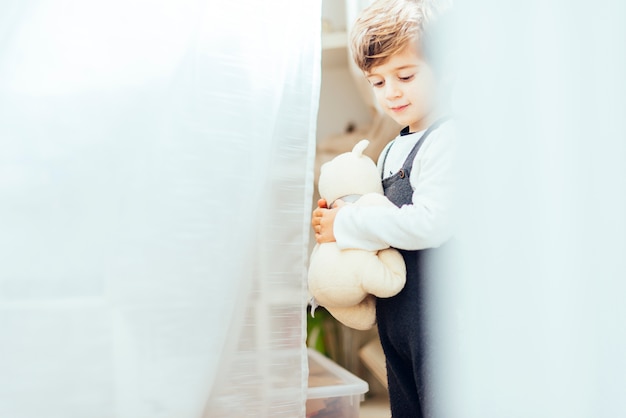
(323, 220)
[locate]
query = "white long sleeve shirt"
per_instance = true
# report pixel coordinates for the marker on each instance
(427, 223)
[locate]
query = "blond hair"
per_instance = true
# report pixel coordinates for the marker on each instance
(387, 27)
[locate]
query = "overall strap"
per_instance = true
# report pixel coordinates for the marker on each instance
(382, 168)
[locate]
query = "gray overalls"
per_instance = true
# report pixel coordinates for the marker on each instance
(400, 318)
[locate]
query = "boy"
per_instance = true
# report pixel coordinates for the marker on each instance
(391, 44)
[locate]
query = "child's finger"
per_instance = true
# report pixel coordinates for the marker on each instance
(322, 203)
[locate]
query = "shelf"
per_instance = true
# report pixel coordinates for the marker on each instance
(334, 40)
(335, 49)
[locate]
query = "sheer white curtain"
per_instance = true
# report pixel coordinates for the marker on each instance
(156, 162)
(534, 314)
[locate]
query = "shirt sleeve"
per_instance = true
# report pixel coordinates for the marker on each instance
(426, 223)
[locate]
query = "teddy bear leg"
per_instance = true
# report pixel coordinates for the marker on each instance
(361, 316)
(386, 274)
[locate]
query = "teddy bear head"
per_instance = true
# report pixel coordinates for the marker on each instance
(350, 173)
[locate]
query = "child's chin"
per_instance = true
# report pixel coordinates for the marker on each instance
(401, 121)
(397, 118)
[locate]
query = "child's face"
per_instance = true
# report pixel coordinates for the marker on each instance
(405, 89)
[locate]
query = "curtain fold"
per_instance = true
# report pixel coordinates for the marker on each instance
(156, 163)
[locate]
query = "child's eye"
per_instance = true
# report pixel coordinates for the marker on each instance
(407, 78)
(377, 83)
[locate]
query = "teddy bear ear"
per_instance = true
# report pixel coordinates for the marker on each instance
(360, 147)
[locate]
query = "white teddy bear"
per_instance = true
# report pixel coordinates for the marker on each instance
(346, 281)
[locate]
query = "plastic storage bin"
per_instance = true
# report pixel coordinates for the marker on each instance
(333, 391)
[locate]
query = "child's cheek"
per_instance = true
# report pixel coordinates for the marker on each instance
(380, 98)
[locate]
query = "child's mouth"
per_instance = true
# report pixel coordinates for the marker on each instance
(398, 109)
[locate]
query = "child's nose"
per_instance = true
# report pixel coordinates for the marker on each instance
(392, 90)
